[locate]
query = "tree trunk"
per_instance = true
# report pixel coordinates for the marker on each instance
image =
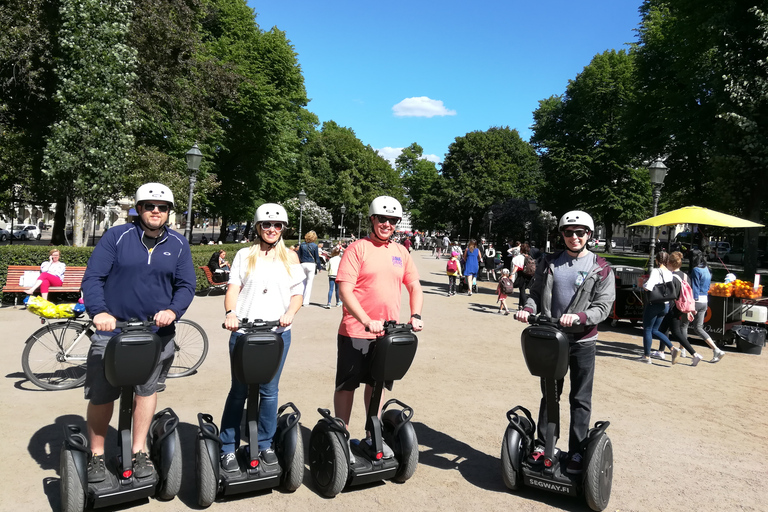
(78, 224)
(58, 233)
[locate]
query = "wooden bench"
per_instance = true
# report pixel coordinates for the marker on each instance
(213, 284)
(73, 278)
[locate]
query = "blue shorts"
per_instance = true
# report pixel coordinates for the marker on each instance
(99, 391)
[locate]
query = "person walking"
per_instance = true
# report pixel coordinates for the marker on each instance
(577, 287)
(309, 256)
(265, 283)
(523, 268)
(503, 290)
(471, 265)
(371, 274)
(654, 313)
(490, 261)
(453, 270)
(142, 269)
(701, 277)
(333, 268)
(445, 244)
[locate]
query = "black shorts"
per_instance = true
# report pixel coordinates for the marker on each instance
(353, 363)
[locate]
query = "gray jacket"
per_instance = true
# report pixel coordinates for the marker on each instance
(593, 300)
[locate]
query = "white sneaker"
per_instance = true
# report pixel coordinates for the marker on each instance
(658, 355)
(683, 353)
(718, 356)
(696, 358)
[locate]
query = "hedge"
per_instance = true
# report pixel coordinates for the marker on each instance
(21, 254)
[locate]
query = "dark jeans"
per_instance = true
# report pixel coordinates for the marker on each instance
(522, 283)
(653, 315)
(452, 283)
(581, 362)
(233, 408)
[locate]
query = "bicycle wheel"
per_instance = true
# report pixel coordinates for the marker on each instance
(191, 347)
(54, 356)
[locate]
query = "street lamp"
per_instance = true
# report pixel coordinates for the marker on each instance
(489, 218)
(14, 206)
(341, 226)
(194, 157)
(302, 198)
(658, 172)
(469, 235)
(359, 220)
(533, 206)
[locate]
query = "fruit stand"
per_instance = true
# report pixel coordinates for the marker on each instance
(737, 313)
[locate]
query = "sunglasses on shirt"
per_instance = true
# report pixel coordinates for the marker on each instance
(267, 225)
(578, 232)
(383, 219)
(150, 207)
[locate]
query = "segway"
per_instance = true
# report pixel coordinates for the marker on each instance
(545, 348)
(255, 361)
(129, 360)
(329, 460)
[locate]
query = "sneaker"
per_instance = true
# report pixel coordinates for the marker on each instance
(386, 451)
(97, 471)
(645, 359)
(696, 358)
(142, 465)
(675, 354)
(575, 466)
(683, 353)
(338, 304)
(268, 456)
(657, 354)
(229, 462)
(718, 356)
(327, 306)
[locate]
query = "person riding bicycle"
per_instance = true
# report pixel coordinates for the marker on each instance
(370, 276)
(574, 286)
(137, 270)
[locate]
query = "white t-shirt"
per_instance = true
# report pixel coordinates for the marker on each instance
(266, 293)
(518, 261)
(333, 265)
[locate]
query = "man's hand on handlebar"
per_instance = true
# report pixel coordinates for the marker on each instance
(374, 326)
(104, 322)
(522, 316)
(569, 320)
(417, 324)
(164, 318)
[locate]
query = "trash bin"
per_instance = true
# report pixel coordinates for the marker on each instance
(749, 339)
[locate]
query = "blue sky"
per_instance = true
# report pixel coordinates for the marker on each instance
(400, 72)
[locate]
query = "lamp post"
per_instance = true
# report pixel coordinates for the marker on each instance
(194, 157)
(302, 198)
(658, 172)
(341, 226)
(16, 192)
(469, 235)
(359, 220)
(533, 206)
(489, 218)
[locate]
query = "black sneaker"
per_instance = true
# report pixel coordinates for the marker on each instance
(268, 456)
(228, 462)
(142, 465)
(97, 471)
(575, 466)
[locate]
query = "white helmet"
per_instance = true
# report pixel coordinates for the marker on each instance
(386, 205)
(271, 212)
(154, 192)
(577, 218)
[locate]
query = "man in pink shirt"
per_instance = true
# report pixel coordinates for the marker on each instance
(371, 274)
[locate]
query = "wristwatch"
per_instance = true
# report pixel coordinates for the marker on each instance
(228, 312)
(416, 316)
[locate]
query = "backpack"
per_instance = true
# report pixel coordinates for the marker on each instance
(684, 301)
(452, 266)
(529, 268)
(507, 286)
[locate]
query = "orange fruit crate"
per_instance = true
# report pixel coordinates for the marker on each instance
(721, 289)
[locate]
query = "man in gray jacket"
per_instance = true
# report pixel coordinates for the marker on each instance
(576, 287)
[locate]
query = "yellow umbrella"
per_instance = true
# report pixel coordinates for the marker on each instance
(697, 215)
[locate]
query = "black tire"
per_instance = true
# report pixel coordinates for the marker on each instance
(294, 474)
(22, 237)
(599, 473)
(407, 457)
(44, 361)
(328, 463)
(39, 236)
(205, 475)
(3, 237)
(72, 490)
(512, 479)
(191, 347)
(170, 483)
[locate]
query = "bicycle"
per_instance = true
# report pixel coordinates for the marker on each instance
(55, 355)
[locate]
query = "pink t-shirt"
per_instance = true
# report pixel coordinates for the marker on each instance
(378, 271)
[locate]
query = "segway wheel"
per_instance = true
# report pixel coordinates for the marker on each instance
(407, 448)
(72, 488)
(599, 473)
(328, 463)
(170, 481)
(205, 475)
(512, 479)
(294, 473)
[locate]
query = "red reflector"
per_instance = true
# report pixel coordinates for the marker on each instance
(254, 463)
(379, 455)
(127, 473)
(548, 463)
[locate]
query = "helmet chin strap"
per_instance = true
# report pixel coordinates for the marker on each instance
(271, 246)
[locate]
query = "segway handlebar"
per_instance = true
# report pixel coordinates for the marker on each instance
(392, 326)
(256, 325)
(135, 324)
(545, 320)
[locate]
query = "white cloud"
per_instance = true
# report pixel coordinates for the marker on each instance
(421, 107)
(432, 158)
(390, 154)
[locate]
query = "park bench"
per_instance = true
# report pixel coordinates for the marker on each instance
(213, 284)
(73, 278)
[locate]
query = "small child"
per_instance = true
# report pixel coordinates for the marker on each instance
(333, 267)
(453, 269)
(503, 290)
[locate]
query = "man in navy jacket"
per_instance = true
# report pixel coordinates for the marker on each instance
(138, 270)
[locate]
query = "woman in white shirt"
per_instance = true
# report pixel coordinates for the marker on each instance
(51, 274)
(266, 282)
(653, 314)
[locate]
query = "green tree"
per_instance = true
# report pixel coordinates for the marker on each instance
(486, 168)
(585, 147)
(422, 185)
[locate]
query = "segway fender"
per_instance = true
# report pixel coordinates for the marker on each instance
(162, 444)
(329, 423)
(512, 438)
(210, 433)
(77, 443)
(287, 433)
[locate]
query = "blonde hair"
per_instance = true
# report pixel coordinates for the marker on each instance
(281, 251)
(676, 260)
(310, 237)
(53, 251)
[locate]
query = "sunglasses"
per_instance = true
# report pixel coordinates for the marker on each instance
(578, 232)
(383, 219)
(150, 207)
(267, 225)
